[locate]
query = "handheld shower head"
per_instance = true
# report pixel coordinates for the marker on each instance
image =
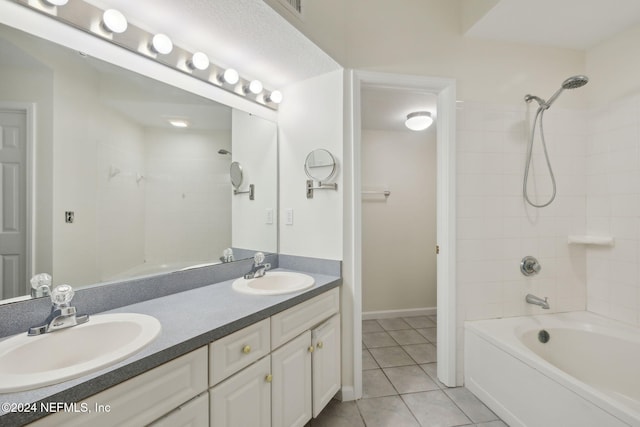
(224, 152)
(572, 82)
(575, 82)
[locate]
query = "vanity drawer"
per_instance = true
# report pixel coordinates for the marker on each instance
(141, 399)
(292, 322)
(235, 351)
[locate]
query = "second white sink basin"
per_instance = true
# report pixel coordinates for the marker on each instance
(274, 283)
(28, 362)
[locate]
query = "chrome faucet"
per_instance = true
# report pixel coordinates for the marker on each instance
(532, 299)
(259, 269)
(62, 314)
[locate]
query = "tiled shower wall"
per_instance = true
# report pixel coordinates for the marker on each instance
(613, 209)
(495, 229)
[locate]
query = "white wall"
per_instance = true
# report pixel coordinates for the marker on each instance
(613, 177)
(188, 196)
(399, 232)
(255, 147)
(311, 117)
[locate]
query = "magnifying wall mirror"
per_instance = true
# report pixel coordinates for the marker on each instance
(236, 175)
(320, 165)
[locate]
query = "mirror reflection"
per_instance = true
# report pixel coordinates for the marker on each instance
(110, 175)
(320, 165)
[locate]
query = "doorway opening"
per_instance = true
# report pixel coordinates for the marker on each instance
(444, 92)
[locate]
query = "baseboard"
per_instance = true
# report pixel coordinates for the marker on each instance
(388, 314)
(346, 394)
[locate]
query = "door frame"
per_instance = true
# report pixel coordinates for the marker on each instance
(30, 137)
(445, 89)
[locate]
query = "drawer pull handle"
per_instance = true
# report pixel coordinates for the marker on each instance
(246, 349)
(311, 348)
(268, 378)
(320, 344)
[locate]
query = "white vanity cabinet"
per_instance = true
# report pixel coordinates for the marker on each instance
(278, 372)
(293, 383)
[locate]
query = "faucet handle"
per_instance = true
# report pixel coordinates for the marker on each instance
(62, 295)
(258, 258)
(40, 285)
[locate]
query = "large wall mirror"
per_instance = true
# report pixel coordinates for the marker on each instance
(108, 175)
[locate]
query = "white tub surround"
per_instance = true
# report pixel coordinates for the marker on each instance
(586, 374)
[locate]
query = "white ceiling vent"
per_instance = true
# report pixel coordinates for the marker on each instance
(293, 6)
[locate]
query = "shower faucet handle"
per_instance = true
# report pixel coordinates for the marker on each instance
(530, 266)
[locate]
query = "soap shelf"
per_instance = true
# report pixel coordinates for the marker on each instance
(591, 240)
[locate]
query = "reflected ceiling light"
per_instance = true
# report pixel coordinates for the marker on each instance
(230, 76)
(114, 21)
(162, 44)
(419, 120)
(56, 2)
(255, 87)
(178, 123)
(275, 97)
(198, 61)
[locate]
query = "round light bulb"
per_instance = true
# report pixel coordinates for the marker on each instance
(255, 87)
(420, 120)
(114, 21)
(275, 97)
(231, 76)
(161, 44)
(56, 2)
(199, 61)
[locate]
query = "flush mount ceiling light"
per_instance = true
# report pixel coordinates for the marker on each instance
(230, 76)
(55, 2)
(114, 21)
(255, 87)
(275, 97)
(198, 61)
(162, 44)
(178, 123)
(419, 120)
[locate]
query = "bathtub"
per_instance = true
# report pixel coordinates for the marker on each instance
(586, 374)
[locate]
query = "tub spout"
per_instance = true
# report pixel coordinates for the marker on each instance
(532, 299)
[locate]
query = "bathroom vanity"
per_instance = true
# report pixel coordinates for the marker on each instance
(223, 358)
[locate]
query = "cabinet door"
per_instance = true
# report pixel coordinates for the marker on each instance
(326, 363)
(291, 386)
(244, 399)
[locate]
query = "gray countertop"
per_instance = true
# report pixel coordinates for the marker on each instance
(189, 320)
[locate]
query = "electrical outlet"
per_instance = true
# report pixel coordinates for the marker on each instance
(269, 216)
(288, 216)
(68, 217)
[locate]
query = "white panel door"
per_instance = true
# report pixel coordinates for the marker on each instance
(13, 203)
(291, 386)
(326, 363)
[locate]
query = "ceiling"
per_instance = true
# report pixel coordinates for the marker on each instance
(573, 24)
(244, 34)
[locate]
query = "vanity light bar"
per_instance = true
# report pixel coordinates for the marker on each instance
(112, 25)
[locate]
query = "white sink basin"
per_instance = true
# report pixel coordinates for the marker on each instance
(274, 283)
(31, 362)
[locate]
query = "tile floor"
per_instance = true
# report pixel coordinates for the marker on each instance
(400, 386)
